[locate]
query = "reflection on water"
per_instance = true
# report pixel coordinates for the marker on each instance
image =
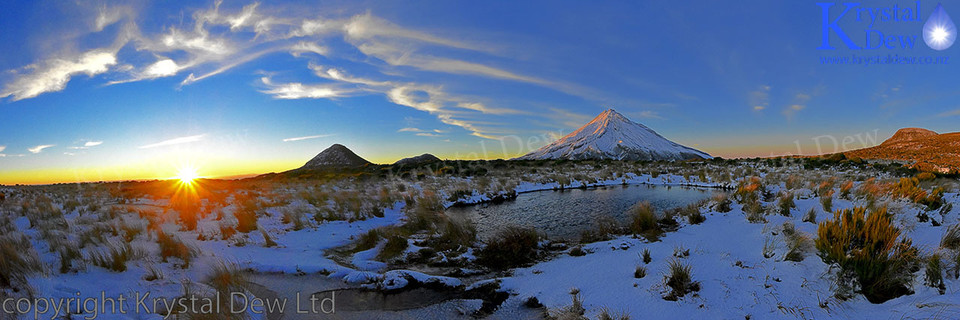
(565, 214)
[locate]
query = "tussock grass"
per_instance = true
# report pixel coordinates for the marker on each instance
(868, 248)
(643, 220)
(934, 272)
(455, 235)
(721, 202)
(826, 200)
(606, 314)
(18, 260)
(574, 311)
(153, 273)
(645, 256)
(227, 278)
(785, 203)
(267, 240)
(679, 280)
(511, 247)
(951, 238)
(395, 246)
(113, 257)
(693, 214)
(171, 246)
(639, 272)
(604, 228)
(810, 216)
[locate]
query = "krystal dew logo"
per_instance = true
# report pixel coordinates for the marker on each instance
(884, 28)
(939, 32)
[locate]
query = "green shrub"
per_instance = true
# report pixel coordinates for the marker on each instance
(868, 248)
(510, 247)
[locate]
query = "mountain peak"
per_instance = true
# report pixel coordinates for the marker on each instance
(611, 135)
(909, 134)
(336, 156)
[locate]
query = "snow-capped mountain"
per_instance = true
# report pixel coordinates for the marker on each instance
(336, 156)
(612, 136)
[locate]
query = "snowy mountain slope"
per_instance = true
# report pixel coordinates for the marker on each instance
(612, 136)
(336, 156)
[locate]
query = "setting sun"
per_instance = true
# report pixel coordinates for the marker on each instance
(187, 175)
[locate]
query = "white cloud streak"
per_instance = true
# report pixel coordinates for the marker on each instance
(175, 141)
(308, 137)
(53, 75)
(40, 148)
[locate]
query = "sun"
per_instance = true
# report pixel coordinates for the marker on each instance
(940, 34)
(187, 175)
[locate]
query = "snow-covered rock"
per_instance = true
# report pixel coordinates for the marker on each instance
(612, 136)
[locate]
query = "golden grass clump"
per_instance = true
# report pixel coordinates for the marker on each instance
(868, 248)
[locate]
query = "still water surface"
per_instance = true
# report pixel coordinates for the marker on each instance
(565, 214)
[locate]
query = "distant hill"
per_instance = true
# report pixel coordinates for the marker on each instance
(336, 156)
(928, 150)
(416, 161)
(612, 136)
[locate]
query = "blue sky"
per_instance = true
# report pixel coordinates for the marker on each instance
(102, 91)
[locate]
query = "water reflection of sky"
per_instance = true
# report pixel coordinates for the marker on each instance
(565, 214)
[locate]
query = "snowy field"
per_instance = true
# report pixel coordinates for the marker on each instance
(750, 254)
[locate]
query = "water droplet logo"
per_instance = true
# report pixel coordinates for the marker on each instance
(939, 32)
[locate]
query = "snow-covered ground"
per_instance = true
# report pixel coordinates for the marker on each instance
(739, 264)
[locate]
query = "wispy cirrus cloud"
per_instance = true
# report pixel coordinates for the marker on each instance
(308, 137)
(39, 149)
(759, 99)
(53, 75)
(951, 113)
(208, 42)
(87, 145)
(297, 90)
(175, 141)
